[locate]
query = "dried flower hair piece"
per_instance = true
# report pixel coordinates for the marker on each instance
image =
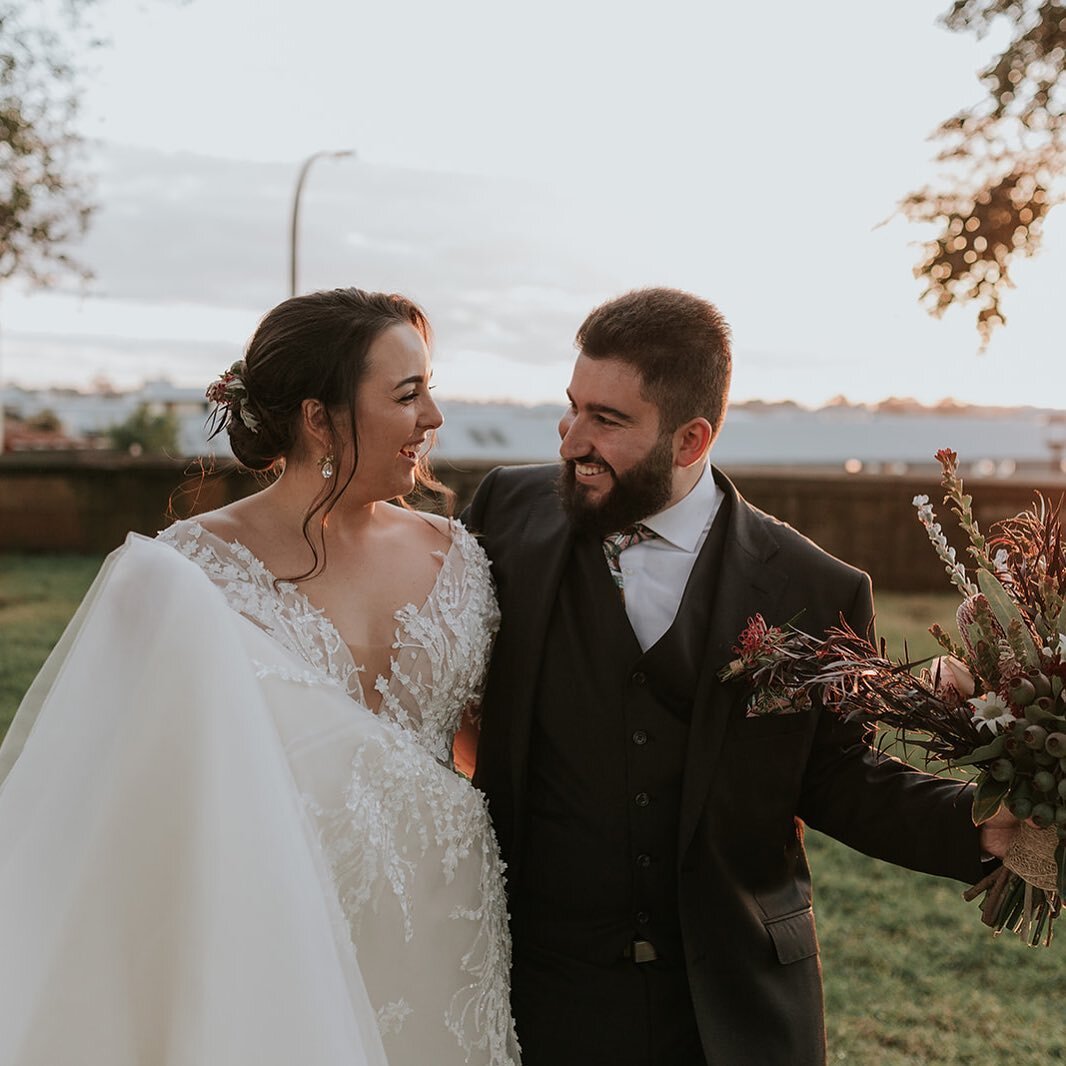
(230, 395)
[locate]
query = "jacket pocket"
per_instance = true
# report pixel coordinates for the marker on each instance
(793, 936)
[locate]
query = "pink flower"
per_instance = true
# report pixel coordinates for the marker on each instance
(218, 390)
(952, 675)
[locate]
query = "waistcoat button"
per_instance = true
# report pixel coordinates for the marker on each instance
(640, 737)
(642, 799)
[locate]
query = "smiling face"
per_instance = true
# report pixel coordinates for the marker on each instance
(618, 464)
(394, 414)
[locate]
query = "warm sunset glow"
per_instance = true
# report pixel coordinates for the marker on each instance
(509, 239)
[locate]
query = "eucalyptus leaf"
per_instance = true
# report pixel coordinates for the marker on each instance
(1006, 611)
(987, 798)
(992, 750)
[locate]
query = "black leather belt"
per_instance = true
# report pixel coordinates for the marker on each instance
(640, 951)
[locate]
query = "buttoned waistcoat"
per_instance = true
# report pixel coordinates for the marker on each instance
(748, 785)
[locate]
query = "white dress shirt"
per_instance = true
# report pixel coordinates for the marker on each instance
(655, 572)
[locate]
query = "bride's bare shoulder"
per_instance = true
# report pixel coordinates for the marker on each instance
(235, 521)
(423, 526)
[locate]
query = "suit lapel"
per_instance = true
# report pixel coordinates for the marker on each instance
(543, 548)
(748, 583)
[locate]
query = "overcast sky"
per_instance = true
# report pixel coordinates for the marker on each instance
(515, 166)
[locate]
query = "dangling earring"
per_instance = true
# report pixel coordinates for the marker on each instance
(325, 465)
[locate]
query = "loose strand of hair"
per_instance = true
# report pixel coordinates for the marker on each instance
(325, 502)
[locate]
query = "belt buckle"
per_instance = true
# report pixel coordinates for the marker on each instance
(642, 951)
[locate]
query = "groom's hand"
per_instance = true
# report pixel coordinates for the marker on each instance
(997, 833)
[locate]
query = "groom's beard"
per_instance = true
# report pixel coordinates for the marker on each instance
(640, 492)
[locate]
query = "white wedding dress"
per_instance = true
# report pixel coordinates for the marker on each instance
(213, 852)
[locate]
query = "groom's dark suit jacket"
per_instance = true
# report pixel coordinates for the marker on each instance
(743, 889)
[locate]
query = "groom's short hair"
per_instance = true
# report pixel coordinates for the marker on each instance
(679, 343)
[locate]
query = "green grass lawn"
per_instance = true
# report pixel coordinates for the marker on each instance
(38, 594)
(903, 620)
(911, 976)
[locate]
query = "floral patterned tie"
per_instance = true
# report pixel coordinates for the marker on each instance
(616, 543)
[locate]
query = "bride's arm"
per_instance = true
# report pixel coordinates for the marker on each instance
(464, 747)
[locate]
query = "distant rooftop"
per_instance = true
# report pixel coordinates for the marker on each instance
(890, 437)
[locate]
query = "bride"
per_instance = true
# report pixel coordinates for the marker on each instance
(231, 831)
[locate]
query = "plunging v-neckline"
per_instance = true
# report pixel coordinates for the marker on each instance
(401, 616)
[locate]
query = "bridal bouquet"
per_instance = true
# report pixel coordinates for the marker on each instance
(993, 701)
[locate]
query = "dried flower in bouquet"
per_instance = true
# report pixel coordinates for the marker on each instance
(995, 701)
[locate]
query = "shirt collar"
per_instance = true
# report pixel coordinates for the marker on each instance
(684, 523)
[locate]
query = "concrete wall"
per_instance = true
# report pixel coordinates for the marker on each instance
(87, 503)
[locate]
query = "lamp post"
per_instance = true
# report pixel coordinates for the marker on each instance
(296, 209)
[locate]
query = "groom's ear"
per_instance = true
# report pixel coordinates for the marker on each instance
(692, 441)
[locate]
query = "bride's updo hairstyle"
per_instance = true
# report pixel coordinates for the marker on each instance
(311, 347)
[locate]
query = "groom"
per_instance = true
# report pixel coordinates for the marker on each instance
(652, 825)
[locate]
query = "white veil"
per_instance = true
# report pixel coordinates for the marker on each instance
(163, 897)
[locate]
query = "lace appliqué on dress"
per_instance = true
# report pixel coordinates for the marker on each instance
(443, 649)
(277, 607)
(299, 677)
(401, 812)
(391, 1017)
(376, 867)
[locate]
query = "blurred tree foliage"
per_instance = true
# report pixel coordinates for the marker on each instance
(47, 420)
(144, 432)
(44, 197)
(1003, 161)
(45, 190)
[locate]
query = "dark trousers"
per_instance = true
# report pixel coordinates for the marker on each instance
(572, 1013)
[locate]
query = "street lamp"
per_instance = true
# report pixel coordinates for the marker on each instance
(296, 208)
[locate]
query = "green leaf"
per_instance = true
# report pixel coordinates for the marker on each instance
(1005, 610)
(987, 798)
(992, 750)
